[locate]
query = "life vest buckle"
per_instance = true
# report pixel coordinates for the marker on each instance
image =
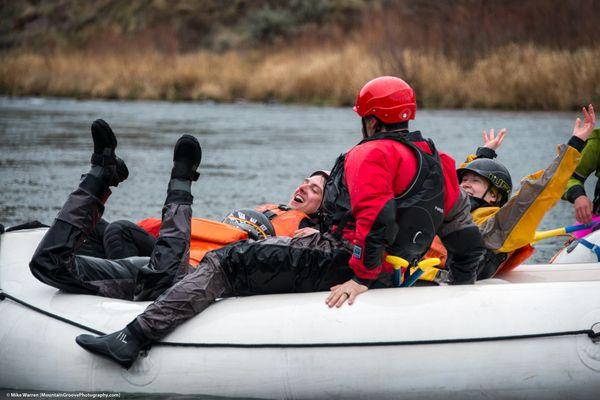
(405, 274)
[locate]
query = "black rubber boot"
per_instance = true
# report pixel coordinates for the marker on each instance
(105, 164)
(186, 160)
(122, 347)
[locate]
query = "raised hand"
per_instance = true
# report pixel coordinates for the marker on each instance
(493, 142)
(583, 131)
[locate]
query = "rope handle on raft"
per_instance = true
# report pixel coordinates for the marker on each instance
(404, 274)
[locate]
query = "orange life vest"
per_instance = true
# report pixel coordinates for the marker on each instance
(209, 235)
(285, 220)
(206, 235)
(437, 250)
(515, 259)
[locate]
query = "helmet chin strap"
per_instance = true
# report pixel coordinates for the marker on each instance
(485, 193)
(476, 202)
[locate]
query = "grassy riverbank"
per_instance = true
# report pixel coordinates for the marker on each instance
(511, 54)
(511, 77)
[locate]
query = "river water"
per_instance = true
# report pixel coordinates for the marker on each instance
(252, 153)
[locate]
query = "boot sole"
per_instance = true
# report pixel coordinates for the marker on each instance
(186, 140)
(101, 130)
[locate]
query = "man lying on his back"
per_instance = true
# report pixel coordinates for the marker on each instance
(299, 217)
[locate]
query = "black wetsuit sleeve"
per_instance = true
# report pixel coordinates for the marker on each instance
(484, 152)
(465, 254)
(464, 242)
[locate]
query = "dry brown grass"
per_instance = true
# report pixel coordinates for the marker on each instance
(526, 77)
(517, 77)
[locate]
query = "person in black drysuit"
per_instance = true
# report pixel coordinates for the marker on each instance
(313, 263)
(55, 261)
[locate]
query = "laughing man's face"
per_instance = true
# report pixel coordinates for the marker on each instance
(308, 196)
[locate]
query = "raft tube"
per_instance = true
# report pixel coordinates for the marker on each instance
(580, 250)
(528, 334)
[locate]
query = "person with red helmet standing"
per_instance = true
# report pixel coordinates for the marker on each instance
(389, 194)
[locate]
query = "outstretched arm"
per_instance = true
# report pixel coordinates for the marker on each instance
(514, 225)
(575, 191)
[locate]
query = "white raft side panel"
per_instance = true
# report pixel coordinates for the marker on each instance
(542, 368)
(580, 254)
(378, 315)
(533, 368)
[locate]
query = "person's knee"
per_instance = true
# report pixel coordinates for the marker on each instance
(124, 239)
(43, 265)
(119, 227)
(117, 240)
(39, 262)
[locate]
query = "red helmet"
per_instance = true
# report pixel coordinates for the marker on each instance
(388, 98)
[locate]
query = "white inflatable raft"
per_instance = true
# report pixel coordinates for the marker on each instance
(580, 251)
(525, 336)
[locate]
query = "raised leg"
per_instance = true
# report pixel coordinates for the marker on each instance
(93, 245)
(54, 261)
(169, 259)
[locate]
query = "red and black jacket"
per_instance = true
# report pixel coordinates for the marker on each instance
(388, 194)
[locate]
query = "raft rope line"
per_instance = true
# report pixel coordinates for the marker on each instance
(589, 332)
(4, 295)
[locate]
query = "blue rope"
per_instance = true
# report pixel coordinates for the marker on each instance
(593, 247)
